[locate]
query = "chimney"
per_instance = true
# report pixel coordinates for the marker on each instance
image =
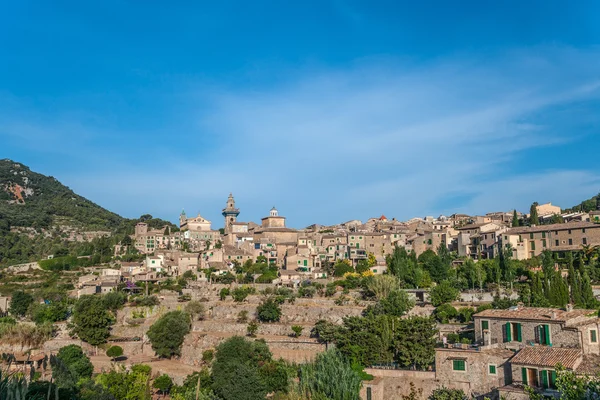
(569, 307)
(553, 314)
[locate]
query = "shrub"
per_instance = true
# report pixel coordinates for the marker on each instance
(242, 317)
(252, 328)
(307, 291)
(196, 310)
(224, 293)
(268, 311)
(453, 337)
(70, 365)
(114, 352)
(19, 303)
(163, 383)
(297, 330)
(239, 294)
(208, 355)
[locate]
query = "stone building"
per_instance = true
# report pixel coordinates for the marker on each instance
(531, 241)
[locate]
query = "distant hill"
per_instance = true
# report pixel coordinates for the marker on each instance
(31, 199)
(586, 205)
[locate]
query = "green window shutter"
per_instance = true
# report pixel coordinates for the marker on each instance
(547, 335)
(493, 369)
(485, 325)
(553, 379)
(518, 332)
(306, 263)
(594, 336)
(369, 394)
(544, 374)
(458, 365)
(508, 332)
(524, 375)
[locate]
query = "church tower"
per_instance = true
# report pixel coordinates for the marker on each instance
(230, 213)
(182, 219)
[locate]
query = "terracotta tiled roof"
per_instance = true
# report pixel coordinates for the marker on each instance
(590, 365)
(545, 356)
(536, 313)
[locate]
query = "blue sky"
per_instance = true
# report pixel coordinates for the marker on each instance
(329, 110)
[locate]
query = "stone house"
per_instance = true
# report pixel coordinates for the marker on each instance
(531, 241)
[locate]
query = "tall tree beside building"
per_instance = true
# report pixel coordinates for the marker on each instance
(533, 214)
(515, 219)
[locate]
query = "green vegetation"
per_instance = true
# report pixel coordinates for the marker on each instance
(92, 320)
(168, 332)
(20, 303)
(268, 311)
(245, 370)
(70, 366)
(163, 383)
(114, 352)
(330, 377)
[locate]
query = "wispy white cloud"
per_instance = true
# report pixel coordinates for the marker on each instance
(391, 137)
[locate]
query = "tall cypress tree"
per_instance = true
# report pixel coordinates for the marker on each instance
(538, 298)
(587, 295)
(515, 219)
(533, 214)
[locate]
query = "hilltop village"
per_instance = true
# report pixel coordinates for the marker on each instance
(501, 305)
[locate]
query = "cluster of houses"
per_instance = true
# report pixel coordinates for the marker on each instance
(305, 251)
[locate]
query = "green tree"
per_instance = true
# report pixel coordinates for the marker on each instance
(19, 303)
(341, 267)
(235, 370)
(114, 300)
(163, 383)
(168, 332)
(515, 219)
(92, 320)
(114, 352)
(444, 313)
(397, 303)
(442, 293)
(330, 376)
(533, 214)
(129, 385)
(324, 331)
(70, 366)
(268, 311)
(196, 310)
(414, 342)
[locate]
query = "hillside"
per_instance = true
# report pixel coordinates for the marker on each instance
(586, 205)
(31, 199)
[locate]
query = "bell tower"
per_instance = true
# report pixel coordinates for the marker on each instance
(230, 213)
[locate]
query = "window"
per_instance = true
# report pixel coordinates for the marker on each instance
(543, 335)
(543, 235)
(543, 242)
(570, 242)
(532, 245)
(556, 242)
(306, 263)
(369, 394)
(485, 325)
(583, 230)
(593, 336)
(459, 365)
(531, 235)
(584, 241)
(492, 369)
(569, 231)
(512, 331)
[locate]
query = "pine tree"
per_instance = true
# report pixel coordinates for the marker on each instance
(533, 215)
(515, 219)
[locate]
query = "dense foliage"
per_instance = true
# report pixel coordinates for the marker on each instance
(168, 332)
(330, 377)
(92, 320)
